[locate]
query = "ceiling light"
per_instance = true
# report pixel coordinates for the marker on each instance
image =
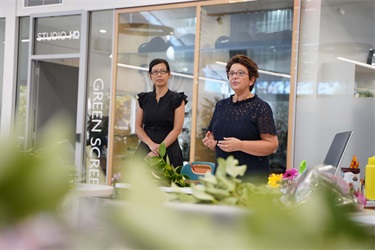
(356, 62)
(267, 72)
(172, 73)
(145, 29)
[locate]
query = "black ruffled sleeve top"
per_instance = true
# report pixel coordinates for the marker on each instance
(160, 115)
(158, 121)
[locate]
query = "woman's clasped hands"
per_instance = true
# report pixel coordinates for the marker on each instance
(154, 147)
(228, 144)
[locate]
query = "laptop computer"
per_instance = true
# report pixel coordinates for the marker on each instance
(337, 149)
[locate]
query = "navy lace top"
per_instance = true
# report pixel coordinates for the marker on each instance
(244, 120)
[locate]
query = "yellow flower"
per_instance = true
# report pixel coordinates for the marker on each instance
(275, 179)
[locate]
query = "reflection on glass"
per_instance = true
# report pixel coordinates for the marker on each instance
(263, 34)
(336, 83)
(143, 36)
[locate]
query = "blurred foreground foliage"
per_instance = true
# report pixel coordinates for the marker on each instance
(224, 216)
(33, 181)
(225, 213)
(30, 183)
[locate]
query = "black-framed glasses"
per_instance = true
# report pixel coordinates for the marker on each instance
(161, 71)
(239, 73)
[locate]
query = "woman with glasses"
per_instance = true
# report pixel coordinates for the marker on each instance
(160, 115)
(242, 125)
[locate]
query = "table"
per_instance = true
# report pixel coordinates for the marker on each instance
(77, 202)
(185, 190)
(92, 190)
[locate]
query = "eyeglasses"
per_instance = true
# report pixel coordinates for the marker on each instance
(239, 73)
(156, 72)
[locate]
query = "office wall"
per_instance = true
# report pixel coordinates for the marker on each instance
(8, 10)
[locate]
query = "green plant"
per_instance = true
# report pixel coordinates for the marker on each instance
(364, 93)
(258, 215)
(163, 172)
(225, 188)
(31, 183)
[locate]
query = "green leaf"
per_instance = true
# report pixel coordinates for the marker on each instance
(163, 172)
(178, 169)
(187, 198)
(209, 178)
(162, 150)
(156, 162)
(155, 174)
(302, 166)
(199, 193)
(221, 167)
(217, 193)
(233, 169)
(230, 201)
(224, 182)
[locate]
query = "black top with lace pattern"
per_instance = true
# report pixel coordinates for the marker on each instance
(244, 120)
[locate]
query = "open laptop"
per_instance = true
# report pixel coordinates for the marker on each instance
(337, 149)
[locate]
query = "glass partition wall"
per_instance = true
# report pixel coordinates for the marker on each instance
(264, 34)
(98, 88)
(197, 40)
(334, 86)
(55, 82)
(22, 88)
(98, 92)
(336, 80)
(143, 36)
(2, 43)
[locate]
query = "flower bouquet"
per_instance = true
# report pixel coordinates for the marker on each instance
(299, 185)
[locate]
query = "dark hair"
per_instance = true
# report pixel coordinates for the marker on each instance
(158, 61)
(246, 61)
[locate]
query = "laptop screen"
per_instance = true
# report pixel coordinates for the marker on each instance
(337, 149)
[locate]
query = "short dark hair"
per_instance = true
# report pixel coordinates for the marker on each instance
(246, 61)
(158, 61)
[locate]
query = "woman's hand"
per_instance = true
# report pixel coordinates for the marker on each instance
(151, 154)
(229, 144)
(209, 141)
(154, 148)
(263, 147)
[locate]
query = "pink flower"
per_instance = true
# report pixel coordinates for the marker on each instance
(360, 197)
(116, 178)
(343, 185)
(290, 174)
